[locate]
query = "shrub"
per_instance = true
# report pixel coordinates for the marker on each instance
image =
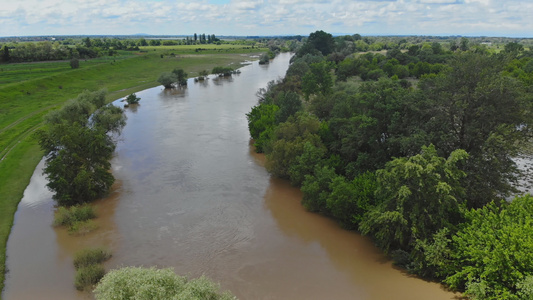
(167, 79)
(68, 216)
(74, 63)
(155, 284)
(133, 99)
(82, 227)
(264, 59)
(87, 277)
(87, 257)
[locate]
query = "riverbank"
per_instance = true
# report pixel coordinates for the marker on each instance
(24, 105)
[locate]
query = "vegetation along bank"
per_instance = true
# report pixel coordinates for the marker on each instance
(414, 147)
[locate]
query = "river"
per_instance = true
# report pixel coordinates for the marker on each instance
(191, 194)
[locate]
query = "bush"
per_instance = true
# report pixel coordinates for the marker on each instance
(133, 99)
(155, 284)
(78, 213)
(167, 79)
(74, 63)
(82, 227)
(87, 277)
(264, 59)
(87, 257)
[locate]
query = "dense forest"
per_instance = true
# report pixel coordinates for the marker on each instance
(412, 143)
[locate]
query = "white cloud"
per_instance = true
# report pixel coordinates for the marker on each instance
(263, 17)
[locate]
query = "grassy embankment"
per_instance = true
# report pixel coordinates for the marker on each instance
(29, 91)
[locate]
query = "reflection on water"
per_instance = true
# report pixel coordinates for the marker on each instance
(193, 196)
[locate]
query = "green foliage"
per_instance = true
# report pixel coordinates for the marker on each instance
(167, 79)
(155, 284)
(222, 71)
(473, 107)
(349, 201)
(306, 163)
(181, 76)
(493, 251)
(78, 213)
(317, 80)
(132, 99)
(78, 149)
(87, 277)
(87, 257)
(288, 143)
(261, 120)
(318, 41)
(74, 63)
(316, 189)
(264, 59)
(416, 197)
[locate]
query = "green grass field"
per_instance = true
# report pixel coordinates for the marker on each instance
(28, 91)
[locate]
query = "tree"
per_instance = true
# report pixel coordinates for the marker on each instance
(288, 143)
(317, 80)
(5, 57)
(181, 76)
(318, 41)
(156, 284)
(78, 148)
(261, 121)
(493, 252)
(74, 63)
(472, 106)
(87, 42)
(133, 99)
(142, 42)
(416, 197)
(167, 79)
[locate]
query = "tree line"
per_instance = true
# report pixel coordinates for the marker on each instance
(420, 161)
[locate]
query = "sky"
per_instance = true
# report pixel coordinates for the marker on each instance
(507, 18)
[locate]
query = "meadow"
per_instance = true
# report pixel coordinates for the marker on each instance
(28, 91)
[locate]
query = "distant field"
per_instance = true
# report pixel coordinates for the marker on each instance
(28, 91)
(207, 48)
(14, 73)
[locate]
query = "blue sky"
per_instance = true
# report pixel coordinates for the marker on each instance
(511, 18)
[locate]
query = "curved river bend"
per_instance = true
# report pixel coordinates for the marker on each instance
(192, 195)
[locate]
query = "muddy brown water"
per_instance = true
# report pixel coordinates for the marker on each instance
(192, 195)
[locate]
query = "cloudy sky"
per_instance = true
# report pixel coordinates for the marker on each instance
(512, 18)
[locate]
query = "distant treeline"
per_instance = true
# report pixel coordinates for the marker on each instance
(414, 147)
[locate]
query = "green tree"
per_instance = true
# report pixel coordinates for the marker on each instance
(318, 41)
(132, 99)
(78, 148)
(416, 197)
(317, 80)
(261, 122)
(472, 106)
(74, 63)
(5, 54)
(349, 201)
(167, 79)
(181, 76)
(493, 252)
(288, 143)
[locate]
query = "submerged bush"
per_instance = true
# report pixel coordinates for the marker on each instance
(87, 257)
(155, 284)
(88, 276)
(69, 216)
